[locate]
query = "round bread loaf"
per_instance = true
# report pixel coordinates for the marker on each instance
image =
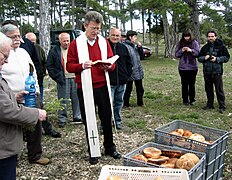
(184, 163)
(180, 131)
(197, 137)
(187, 133)
(114, 178)
(159, 160)
(175, 133)
(152, 152)
(140, 157)
(170, 163)
(158, 178)
(191, 156)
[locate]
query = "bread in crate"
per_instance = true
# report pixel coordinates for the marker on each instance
(213, 143)
(167, 158)
(196, 167)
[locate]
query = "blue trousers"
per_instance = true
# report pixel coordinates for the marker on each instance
(8, 168)
(117, 93)
(66, 92)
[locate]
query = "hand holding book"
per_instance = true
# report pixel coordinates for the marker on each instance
(107, 62)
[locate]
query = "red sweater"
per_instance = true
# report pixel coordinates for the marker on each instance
(73, 65)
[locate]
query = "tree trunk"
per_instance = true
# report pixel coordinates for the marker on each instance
(167, 52)
(116, 9)
(35, 16)
(193, 4)
(72, 16)
(195, 22)
(144, 31)
(174, 36)
(44, 26)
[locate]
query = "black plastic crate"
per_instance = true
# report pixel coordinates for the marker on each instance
(215, 152)
(196, 173)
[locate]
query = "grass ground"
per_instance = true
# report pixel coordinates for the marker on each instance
(163, 104)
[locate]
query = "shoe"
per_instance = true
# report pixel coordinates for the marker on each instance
(53, 134)
(93, 160)
(77, 121)
(186, 103)
(192, 102)
(118, 125)
(41, 161)
(62, 124)
(207, 107)
(113, 154)
(222, 110)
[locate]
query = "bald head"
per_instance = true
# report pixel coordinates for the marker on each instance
(31, 36)
(64, 39)
(115, 35)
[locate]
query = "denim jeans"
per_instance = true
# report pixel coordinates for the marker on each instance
(66, 91)
(117, 93)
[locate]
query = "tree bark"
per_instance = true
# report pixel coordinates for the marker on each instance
(35, 16)
(44, 26)
(193, 4)
(167, 52)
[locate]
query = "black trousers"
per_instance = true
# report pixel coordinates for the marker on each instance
(216, 80)
(33, 139)
(102, 101)
(8, 168)
(139, 92)
(188, 79)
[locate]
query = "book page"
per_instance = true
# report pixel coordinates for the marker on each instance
(109, 61)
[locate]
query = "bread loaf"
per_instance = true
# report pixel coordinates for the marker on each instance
(140, 157)
(191, 156)
(197, 137)
(184, 163)
(187, 133)
(114, 178)
(171, 153)
(151, 152)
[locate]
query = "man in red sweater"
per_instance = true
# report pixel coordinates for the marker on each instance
(93, 84)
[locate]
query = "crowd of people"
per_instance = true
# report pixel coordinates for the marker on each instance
(107, 86)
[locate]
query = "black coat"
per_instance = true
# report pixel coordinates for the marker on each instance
(54, 65)
(218, 50)
(123, 68)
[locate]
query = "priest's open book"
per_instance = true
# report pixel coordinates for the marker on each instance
(108, 62)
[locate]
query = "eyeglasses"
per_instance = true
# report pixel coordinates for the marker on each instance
(5, 57)
(94, 28)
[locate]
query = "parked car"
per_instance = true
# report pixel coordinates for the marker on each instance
(54, 35)
(147, 51)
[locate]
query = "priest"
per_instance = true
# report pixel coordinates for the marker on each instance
(93, 84)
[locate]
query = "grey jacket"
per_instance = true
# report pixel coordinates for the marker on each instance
(12, 117)
(135, 54)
